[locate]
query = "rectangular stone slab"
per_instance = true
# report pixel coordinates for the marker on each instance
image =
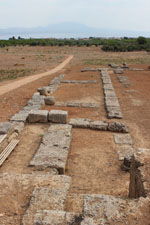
(112, 101)
(123, 139)
(108, 87)
(38, 116)
(54, 149)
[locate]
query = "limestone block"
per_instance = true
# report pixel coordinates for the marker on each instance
(58, 116)
(5, 127)
(118, 127)
(123, 139)
(47, 217)
(99, 125)
(38, 116)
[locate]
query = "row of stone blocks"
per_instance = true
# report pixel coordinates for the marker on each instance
(99, 125)
(111, 100)
(38, 99)
(44, 116)
(54, 149)
(54, 84)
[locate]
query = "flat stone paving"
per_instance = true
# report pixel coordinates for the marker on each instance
(54, 149)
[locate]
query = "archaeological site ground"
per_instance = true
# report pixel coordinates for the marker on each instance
(74, 136)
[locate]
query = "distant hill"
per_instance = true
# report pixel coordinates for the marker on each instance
(66, 30)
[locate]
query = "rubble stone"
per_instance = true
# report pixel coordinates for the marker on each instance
(49, 100)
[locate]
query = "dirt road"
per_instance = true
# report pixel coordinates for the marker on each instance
(16, 84)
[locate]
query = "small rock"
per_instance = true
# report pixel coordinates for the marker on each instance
(49, 100)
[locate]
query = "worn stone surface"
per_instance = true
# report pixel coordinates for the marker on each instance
(38, 116)
(50, 197)
(123, 79)
(79, 81)
(108, 87)
(106, 80)
(111, 102)
(77, 104)
(18, 126)
(114, 112)
(118, 127)
(123, 139)
(80, 123)
(54, 149)
(5, 127)
(49, 100)
(119, 71)
(53, 217)
(20, 117)
(102, 208)
(58, 116)
(125, 151)
(99, 125)
(109, 93)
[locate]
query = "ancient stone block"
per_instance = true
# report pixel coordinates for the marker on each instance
(5, 127)
(38, 116)
(99, 125)
(123, 139)
(109, 93)
(54, 149)
(118, 127)
(47, 217)
(80, 123)
(108, 87)
(111, 102)
(58, 116)
(49, 100)
(20, 117)
(106, 80)
(119, 71)
(102, 208)
(113, 112)
(125, 151)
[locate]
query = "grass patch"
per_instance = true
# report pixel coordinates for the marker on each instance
(106, 61)
(13, 74)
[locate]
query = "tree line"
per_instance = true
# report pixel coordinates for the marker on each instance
(107, 44)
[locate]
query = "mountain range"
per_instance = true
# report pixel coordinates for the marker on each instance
(68, 30)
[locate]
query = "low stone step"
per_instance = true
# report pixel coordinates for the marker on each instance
(7, 151)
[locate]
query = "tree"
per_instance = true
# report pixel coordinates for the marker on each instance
(141, 40)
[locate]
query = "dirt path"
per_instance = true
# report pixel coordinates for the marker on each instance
(16, 84)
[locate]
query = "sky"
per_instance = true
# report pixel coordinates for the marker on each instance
(113, 14)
